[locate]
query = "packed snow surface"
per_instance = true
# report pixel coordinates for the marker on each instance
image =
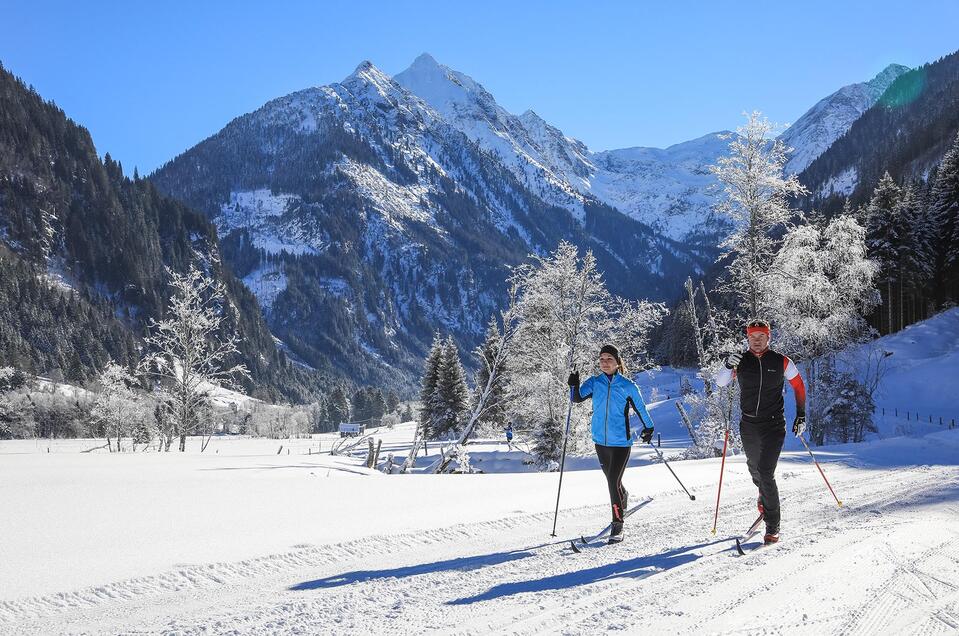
(278, 536)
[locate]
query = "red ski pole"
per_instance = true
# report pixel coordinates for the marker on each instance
(719, 491)
(820, 470)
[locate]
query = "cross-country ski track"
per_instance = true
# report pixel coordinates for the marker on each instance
(886, 562)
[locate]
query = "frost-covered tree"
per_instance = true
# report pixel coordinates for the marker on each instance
(494, 413)
(756, 199)
(713, 412)
(7, 415)
(189, 354)
(116, 407)
(565, 314)
(822, 289)
(847, 405)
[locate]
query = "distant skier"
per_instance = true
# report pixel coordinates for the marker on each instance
(761, 373)
(509, 436)
(612, 394)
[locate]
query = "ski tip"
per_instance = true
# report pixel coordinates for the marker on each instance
(572, 544)
(739, 549)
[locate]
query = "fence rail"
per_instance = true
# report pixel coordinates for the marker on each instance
(915, 416)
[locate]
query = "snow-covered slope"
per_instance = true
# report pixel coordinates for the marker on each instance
(832, 116)
(670, 189)
(920, 372)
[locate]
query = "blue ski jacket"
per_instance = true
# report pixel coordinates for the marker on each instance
(611, 397)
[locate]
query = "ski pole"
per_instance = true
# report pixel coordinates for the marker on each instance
(820, 470)
(562, 461)
(722, 467)
(653, 446)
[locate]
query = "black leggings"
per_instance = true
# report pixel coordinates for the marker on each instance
(613, 460)
(763, 441)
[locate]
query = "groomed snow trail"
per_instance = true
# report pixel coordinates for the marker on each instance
(887, 562)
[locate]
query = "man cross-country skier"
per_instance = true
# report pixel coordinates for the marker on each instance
(761, 373)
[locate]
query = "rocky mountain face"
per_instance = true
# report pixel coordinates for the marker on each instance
(364, 219)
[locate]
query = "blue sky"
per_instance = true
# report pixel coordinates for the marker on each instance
(152, 79)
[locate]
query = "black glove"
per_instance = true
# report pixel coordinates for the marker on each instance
(573, 380)
(732, 360)
(647, 435)
(799, 424)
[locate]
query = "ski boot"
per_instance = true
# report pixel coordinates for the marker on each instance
(772, 536)
(616, 532)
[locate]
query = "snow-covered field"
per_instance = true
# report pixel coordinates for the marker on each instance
(244, 539)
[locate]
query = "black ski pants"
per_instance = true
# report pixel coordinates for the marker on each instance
(613, 460)
(763, 442)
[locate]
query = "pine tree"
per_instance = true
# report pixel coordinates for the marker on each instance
(916, 258)
(944, 205)
(431, 371)
(882, 237)
(361, 405)
(338, 406)
(451, 397)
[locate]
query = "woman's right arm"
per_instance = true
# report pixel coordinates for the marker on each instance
(576, 392)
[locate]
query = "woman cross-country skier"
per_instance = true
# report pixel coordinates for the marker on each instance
(613, 394)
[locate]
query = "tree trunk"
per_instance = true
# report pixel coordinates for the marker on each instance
(900, 305)
(182, 442)
(889, 308)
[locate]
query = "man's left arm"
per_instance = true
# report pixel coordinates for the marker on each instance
(799, 389)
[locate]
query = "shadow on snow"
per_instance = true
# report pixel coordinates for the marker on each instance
(637, 568)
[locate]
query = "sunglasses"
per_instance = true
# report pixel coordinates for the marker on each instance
(757, 323)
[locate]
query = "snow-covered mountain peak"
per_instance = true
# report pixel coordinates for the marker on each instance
(540, 156)
(531, 118)
(886, 77)
(449, 92)
(425, 65)
(367, 76)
